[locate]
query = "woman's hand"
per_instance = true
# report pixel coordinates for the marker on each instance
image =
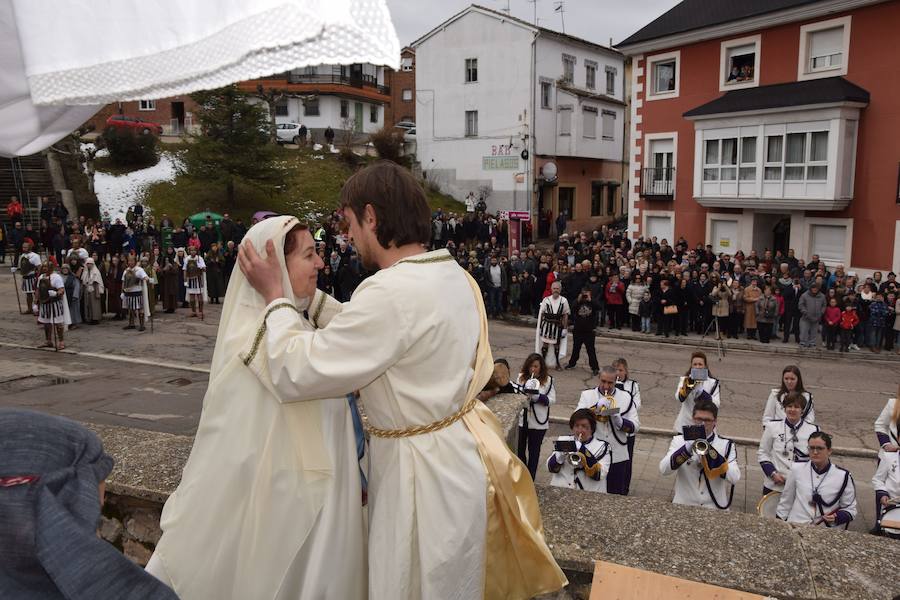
(263, 274)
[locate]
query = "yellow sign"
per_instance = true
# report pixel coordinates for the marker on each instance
(724, 243)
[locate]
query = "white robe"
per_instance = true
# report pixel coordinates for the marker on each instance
(407, 341)
(550, 357)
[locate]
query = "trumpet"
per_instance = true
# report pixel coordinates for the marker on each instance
(574, 459)
(701, 447)
(687, 386)
(603, 414)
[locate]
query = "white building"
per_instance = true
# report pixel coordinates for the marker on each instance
(497, 98)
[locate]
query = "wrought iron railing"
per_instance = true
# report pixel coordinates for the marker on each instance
(658, 182)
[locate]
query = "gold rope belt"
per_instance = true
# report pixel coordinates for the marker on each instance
(417, 429)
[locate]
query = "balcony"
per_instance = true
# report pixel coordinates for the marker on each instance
(354, 80)
(658, 184)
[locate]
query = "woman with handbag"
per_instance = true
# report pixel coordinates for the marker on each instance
(669, 303)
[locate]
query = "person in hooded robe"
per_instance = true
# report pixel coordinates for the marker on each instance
(169, 276)
(92, 292)
(270, 503)
(52, 482)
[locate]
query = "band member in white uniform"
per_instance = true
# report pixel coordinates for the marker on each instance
(195, 281)
(613, 428)
(818, 492)
(551, 336)
(28, 267)
(134, 293)
(887, 427)
(784, 442)
(791, 381)
(886, 483)
(52, 307)
(688, 391)
(632, 388)
(705, 480)
(594, 456)
(534, 420)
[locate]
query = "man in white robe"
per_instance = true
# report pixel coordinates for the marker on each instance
(551, 336)
(270, 505)
(452, 512)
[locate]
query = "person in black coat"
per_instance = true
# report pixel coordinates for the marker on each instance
(585, 315)
(668, 297)
(791, 318)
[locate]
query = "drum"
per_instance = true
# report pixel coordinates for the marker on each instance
(890, 519)
(768, 505)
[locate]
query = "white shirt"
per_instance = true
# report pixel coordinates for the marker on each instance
(496, 277)
(141, 274)
(887, 475)
(567, 476)
(774, 411)
(201, 264)
(686, 409)
(690, 481)
(778, 448)
(884, 426)
(633, 388)
(538, 414)
(835, 486)
(607, 430)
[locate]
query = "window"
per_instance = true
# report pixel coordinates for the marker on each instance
(609, 125)
(373, 113)
(281, 108)
(345, 109)
(794, 157)
(720, 159)
(565, 120)
(747, 171)
(590, 122)
(546, 91)
(471, 123)
(567, 200)
(406, 64)
(823, 48)
(611, 198)
(829, 242)
(568, 68)
(662, 75)
(471, 70)
(739, 63)
(311, 107)
(147, 105)
(590, 75)
(407, 95)
(597, 198)
(610, 81)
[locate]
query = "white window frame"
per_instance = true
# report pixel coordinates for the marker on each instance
(566, 108)
(566, 58)
(650, 79)
(471, 68)
(810, 222)
(590, 79)
(585, 111)
(406, 64)
(612, 71)
(724, 70)
(646, 152)
(783, 164)
(803, 71)
(146, 104)
(549, 84)
(471, 131)
(406, 95)
(611, 114)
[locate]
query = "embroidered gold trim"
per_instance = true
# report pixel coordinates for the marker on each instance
(424, 261)
(262, 331)
(318, 310)
(417, 429)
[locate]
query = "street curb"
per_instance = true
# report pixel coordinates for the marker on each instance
(741, 441)
(776, 347)
(125, 359)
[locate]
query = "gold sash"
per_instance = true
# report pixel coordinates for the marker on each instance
(518, 563)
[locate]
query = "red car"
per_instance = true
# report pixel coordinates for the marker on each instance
(123, 122)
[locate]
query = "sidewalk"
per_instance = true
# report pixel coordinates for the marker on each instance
(692, 339)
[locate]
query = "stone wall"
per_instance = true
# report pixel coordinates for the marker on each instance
(729, 549)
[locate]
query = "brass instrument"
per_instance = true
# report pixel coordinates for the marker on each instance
(701, 447)
(603, 415)
(574, 459)
(687, 386)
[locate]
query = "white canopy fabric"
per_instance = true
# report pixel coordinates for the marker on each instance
(60, 60)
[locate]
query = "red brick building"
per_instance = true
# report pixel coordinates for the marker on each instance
(770, 124)
(176, 114)
(402, 106)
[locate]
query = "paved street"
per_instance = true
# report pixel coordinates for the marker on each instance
(156, 382)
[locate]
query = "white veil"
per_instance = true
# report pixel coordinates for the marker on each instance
(258, 472)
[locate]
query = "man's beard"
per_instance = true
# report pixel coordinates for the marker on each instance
(365, 260)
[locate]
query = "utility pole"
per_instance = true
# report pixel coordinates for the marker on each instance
(534, 3)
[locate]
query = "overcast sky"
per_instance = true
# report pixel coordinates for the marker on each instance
(594, 20)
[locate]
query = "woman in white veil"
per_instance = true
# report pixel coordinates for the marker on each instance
(269, 504)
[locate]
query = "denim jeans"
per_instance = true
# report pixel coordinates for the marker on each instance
(645, 324)
(495, 300)
(809, 331)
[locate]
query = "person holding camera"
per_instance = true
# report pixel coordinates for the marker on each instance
(584, 320)
(580, 461)
(617, 416)
(704, 463)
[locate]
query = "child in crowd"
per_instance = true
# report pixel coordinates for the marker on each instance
(849, 320)
(645, 309)
(515, 294)
(877, 317)
(832, 323)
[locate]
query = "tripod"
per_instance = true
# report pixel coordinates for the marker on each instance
(720, 344)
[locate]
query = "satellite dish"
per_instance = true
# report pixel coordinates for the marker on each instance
(548, 171)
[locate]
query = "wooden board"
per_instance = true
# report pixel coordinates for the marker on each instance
(617, 582)
(890, 524)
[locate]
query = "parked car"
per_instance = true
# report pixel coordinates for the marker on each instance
(139, 125)
(288, 133)
(407, 125)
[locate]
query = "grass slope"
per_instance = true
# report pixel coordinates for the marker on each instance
(313, 184)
